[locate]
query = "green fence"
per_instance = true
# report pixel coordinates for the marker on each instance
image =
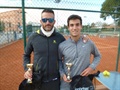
(20, 18)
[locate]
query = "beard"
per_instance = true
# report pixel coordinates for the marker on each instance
(48, 27)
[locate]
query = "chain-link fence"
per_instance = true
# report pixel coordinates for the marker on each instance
(101, 22)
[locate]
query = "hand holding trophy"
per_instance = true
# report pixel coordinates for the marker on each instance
(29, 66)
(68, 68)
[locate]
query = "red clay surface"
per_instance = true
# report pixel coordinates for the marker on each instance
(11, 62)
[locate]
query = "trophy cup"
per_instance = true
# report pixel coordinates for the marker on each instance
(29, 66)
(68, 68)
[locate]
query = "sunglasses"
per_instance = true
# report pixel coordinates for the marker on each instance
(44, 20)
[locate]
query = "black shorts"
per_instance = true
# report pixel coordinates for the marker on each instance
(51, 85)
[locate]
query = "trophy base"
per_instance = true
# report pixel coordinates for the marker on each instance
(29, 81)
(68, 78)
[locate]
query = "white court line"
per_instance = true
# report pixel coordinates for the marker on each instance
(108, 45)
(111, 47)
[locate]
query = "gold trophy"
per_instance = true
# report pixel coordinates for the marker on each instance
(29, 66)
(68, 68)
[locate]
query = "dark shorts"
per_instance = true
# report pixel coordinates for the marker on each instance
(52, 85)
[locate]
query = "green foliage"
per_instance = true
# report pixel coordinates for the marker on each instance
(2, 26)
(110, 6)
(63, 30)
(29, 28)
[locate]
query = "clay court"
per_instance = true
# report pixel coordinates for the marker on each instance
(11, 62)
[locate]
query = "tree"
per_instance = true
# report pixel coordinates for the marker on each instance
(93, 25)
(104, 25)
(109, 8)
(2, 26)
(29, 28)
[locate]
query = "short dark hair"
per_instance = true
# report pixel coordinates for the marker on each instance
(73, 17)
(48, 10)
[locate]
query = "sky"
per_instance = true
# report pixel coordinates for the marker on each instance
(68, 4)
(33, 15)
